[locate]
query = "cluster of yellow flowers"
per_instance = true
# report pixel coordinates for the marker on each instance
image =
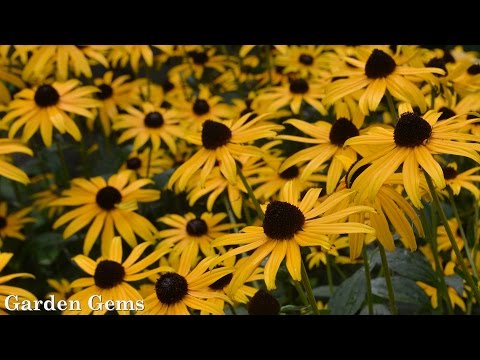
(215, 164)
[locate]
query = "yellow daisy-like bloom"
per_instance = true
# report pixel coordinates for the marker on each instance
(304, 60)
(443, 241)
(245, 49)
(289, 225)
(318, 256)
(121, 55)
(411, 143)
(64, 58)
(8, 170)
(113, 94)
(150, 123)
(391, 208)
(329, 143)
(110, 277)
(107, 204)
(222, 142)
(177, 292)
(456, 181)
(197, 61)
(8, 74)
(153, 161)
(192, 114)
(190, 230)
(96, 54)
(43, 199)
(293, 94)
(47, 106)
(12, 224)
(63, 289)
(376, 71)
(6, 290)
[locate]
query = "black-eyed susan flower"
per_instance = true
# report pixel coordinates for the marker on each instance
(48, 106)
(148, 123)
(113, 94)
(122, 55)
(8, 170)
(303, 60)
(63, 289)
(192, 230)
(377, 71)
(319, 256)
(293, 94)
(43, 199)
(152, 161)
(110, 277)
(8, 74)
(411, 143)
(390, 208)
(328, 140)
(458, 180)
(63, 57)
(177, 292)
(223, 142)
(12, 224)
(7, 290)
(198, 61)
(288, 225)
(107, 205)
(206, 106)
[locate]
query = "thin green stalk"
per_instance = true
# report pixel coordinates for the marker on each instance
(63, 162)
(308, 289)
(436, 201)
(231, 215)
(339, 271)
(300, 291)
(368, 280)
(462, 232)
(149, 160)
(250, 193)
(388, 280)
(329, 273)
(391, 107)
(431, 238)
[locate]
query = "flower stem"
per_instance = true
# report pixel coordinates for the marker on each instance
(431, 238)
(250, 193)
(391, 107)
(329, 273)
(436, 201)
(308, 290)
(300, 291)
(462, 232)
(368, 280)
(388, 280)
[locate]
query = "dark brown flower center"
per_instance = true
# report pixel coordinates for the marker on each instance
(107, 197)
(46, 95)
(215, 134)
(106, 92)
(282, 220)
(474, 69)
(199, 57)
(350, 179)
(263, 303)
(379, 65)
(3, 222)
(306, 59)
(290, 173)
(222, 282)
(134, 163)
(446, 113)
(201, 107)
(171, 288)
(342, 130)
(448, 58)
(108, 274)
(299, 86)
(153, 120)
(197, 227)
(449, 173)
(437, 63)
(411, 130)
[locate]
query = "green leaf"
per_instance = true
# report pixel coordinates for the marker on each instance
(409, 265)
(378, 309)
(406, 290)
(323, 291)
(349, 296)
(456, 282)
